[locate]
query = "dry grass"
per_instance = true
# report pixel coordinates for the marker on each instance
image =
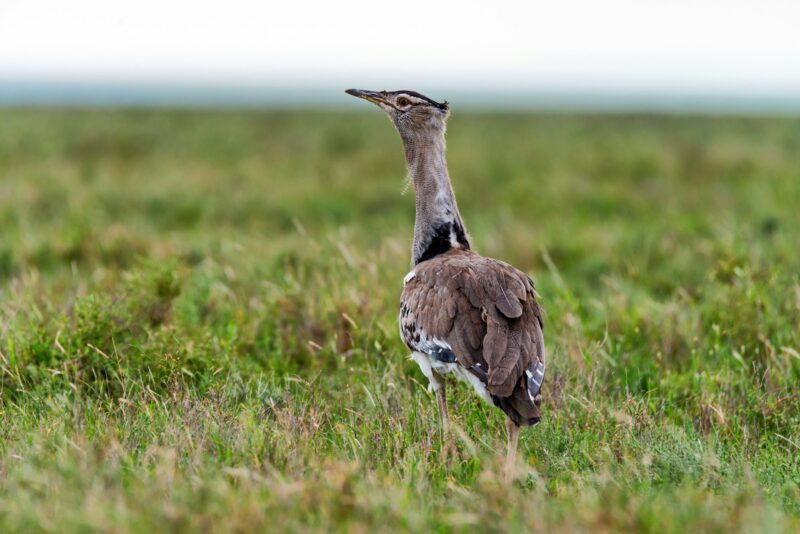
(197, 324)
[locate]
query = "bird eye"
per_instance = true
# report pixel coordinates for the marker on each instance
(403, 102)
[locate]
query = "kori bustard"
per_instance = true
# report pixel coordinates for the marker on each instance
(460, 313)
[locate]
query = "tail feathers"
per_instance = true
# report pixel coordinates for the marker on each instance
(522, 405)
(521, 410)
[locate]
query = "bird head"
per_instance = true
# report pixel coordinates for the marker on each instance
(411, 112)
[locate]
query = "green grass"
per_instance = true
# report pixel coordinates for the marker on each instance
(197, 324)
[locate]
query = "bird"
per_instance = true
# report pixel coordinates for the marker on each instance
(462, 314)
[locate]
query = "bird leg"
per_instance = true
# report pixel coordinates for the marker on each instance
(448, 450)
(511, 456)
(441, 400)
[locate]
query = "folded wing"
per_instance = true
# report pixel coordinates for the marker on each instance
(486, 312)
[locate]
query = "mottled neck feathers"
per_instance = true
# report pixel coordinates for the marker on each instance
(438, 226)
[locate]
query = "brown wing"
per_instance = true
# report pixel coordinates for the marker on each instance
(485, 311)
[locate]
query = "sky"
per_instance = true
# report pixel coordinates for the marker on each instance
(704, 46)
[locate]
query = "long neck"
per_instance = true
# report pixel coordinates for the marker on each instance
(438, 226)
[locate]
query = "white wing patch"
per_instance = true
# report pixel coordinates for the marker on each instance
(428, 344)
(434, 370)
(535, 379)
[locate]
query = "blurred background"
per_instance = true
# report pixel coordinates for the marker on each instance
(622, 54)
(203, 239)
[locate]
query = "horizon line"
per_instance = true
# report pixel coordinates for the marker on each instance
(189, 94)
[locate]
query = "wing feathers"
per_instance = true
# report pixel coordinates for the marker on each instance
(485, 310)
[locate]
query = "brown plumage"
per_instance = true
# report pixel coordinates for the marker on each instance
(486, 312)
(460, 313)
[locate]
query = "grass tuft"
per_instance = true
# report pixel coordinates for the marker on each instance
(198, 324)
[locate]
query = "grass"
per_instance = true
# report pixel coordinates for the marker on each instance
(197, 324)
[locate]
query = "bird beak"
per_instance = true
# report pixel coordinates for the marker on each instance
(376, 97)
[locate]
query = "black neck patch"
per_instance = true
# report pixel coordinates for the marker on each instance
(439, 242)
